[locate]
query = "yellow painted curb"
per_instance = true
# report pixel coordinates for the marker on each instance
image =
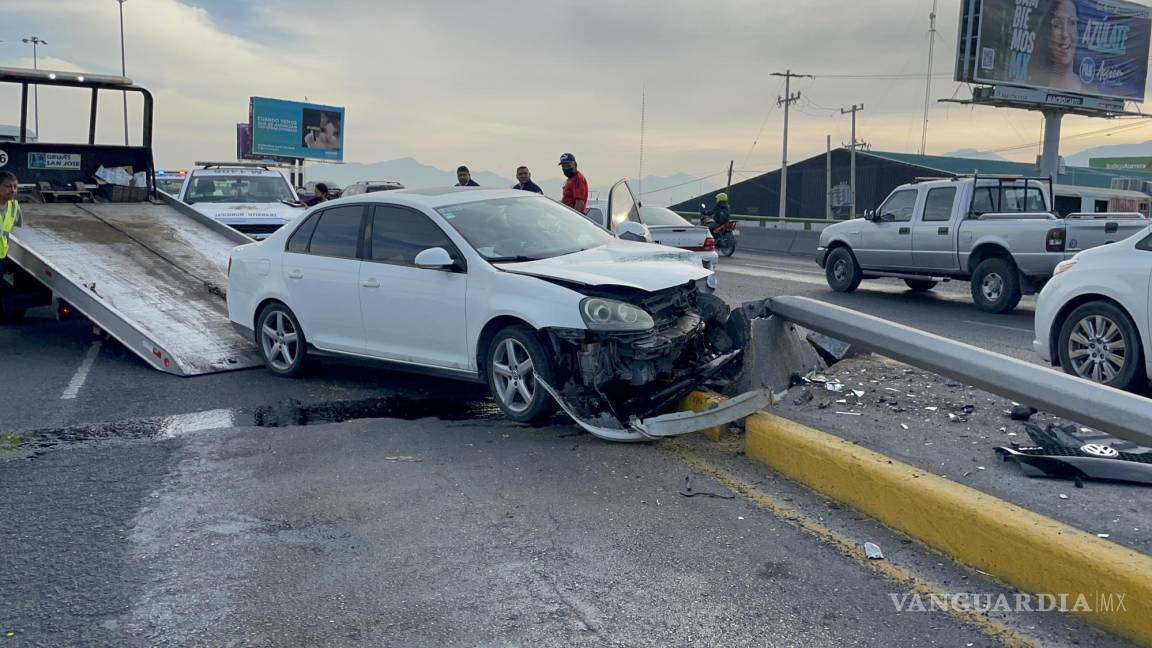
(1031, 552)
(699, 401)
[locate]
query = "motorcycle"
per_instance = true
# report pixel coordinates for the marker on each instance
(725, 235)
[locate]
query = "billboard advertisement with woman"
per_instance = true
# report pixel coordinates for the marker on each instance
(1089, 47)
(290, 129)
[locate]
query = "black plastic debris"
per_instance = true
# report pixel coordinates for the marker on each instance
(688, 492)
(1022, 412)
(1059, 453)
(803, 398)
(830, 349)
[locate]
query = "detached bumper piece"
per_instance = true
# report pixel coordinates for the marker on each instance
(1060, 453)
(660, 427)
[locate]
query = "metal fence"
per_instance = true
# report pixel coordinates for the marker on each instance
(1123, 415)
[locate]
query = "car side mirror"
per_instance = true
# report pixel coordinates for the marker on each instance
(631, 231)
(869, 214)
(436, 258)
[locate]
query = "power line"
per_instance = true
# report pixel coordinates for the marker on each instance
(688, 182)
(892, 77)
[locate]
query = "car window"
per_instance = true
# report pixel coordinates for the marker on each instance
(338, 232)
(229, 189)
(1022, 199)
(298, 242)
(399, 234)
(662, 216)
(898, 208)
(595, 215)
(523, 228)
(938, 204)
(1146, 244)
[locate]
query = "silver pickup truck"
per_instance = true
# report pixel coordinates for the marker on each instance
(995, 231)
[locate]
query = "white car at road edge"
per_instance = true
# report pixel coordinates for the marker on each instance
(1093, 316)
(497, 286)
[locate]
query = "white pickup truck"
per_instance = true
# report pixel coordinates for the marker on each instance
(995, 231)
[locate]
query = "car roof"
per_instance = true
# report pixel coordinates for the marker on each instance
(435, 197)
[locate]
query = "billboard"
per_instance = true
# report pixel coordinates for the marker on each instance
(1087, 47)
(291, 129)
(1143, 164)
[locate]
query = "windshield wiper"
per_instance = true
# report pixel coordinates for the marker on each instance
(512, 259)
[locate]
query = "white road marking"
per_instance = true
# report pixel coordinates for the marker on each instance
(999, 326)
(81, 374)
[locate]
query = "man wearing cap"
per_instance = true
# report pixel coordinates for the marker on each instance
(576, 188)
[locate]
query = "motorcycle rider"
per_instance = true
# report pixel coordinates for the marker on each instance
(720, 214)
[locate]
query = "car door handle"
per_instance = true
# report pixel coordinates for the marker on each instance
(942, 231)
(295, 274)
(905, 230)
(371, 283)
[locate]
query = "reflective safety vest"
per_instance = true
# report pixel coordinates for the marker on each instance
(7, 220)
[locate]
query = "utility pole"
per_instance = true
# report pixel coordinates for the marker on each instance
(787, 100)
(35, 40)
(728, 188)
(928, 81)
(852, 173)
(123, 69)
(828, 181)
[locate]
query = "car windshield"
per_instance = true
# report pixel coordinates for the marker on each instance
(523, 228)
(659, 216)
(229, 189)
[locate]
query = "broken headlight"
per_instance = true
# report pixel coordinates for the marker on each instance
(609, 315)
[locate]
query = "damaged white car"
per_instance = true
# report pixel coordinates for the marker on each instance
(499, 286)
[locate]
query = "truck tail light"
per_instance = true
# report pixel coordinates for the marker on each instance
(1056, 239)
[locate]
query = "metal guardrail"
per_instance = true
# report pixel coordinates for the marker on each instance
(807, 222)
(1123, 415)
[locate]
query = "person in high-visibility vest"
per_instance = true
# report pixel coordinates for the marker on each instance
(9, 214)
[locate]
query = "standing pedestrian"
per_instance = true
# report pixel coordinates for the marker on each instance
(464, 177)
(524, 181)
(9, 214)
(576, 187)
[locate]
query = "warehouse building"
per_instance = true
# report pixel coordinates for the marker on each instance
(877, 174)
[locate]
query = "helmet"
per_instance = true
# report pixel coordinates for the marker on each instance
(721, 197)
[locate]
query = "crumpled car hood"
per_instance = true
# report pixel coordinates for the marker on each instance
(620, 263)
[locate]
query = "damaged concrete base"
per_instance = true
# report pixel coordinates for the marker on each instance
(776, 351)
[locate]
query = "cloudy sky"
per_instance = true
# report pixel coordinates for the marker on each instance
(499, 83)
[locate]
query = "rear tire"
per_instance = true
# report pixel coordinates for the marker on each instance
(726, 246)
(842, 271)
(996, 285)
(1106, 346)
(920, 285)
(281, 340)
(512, 362)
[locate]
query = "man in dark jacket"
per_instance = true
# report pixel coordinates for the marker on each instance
(464, 177)
(524, 181)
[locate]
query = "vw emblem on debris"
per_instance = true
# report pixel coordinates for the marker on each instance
(1097, 450)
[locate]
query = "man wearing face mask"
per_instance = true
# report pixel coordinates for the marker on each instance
(576, 188)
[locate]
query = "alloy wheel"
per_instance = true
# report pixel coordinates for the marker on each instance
(1097, 348)
(279, 340)
(514, 374)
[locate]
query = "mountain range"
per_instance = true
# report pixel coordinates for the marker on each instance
(657, 190)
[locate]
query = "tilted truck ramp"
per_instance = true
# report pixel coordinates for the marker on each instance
(152, 275)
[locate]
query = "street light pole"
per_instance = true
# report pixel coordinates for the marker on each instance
(35, 40)
(123, 69)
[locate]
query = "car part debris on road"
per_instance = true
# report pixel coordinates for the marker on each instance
(1058, 452)
(872, 550)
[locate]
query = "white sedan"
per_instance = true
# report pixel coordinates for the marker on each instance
(1092, 318)
(498, 286)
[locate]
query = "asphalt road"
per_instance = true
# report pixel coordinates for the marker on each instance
(946, 310)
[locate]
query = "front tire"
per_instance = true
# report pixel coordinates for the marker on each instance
(281, 340)
(996, 285)
(1099, 342)
(842, 271)
(514, 360)
(920, 285)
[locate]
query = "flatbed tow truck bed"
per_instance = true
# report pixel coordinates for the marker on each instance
(149, 274)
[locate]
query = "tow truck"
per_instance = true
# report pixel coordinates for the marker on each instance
(146, 269)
